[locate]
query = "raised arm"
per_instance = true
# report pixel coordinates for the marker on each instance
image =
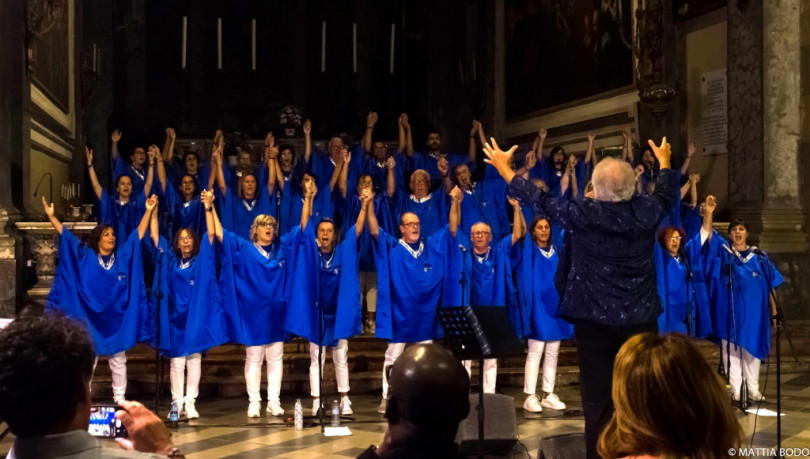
(627, 148)
(406, 135)
(500, 159)
(271, 158)
(689, 153)
(57, 225)
(390, 164)
(97, 189)
(152, 154)
(528, 163)
(168, 146)
(371, 219)
(367, 196)
(694, 179)
(309, 195)
(519, 223)
(454, 219)
(151, 203)
(115, 137)
(638, 171)
(537, 146)
(307, 128)
(444, 169)
(371, 120)
(590, 156)
(472, 148)
(154, 229)
(708, 216)
(342, 172)
(572, 174)
(211, 219)
(220, 175)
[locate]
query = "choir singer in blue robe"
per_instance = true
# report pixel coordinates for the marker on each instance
(103, 287)
(191, 315)
(681, 277)
(326, 306)
(742, 321)
(253, 284)
(538, 258)
(487, 269)
(410, 279)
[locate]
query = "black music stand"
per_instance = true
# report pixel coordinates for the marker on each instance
(479, 332)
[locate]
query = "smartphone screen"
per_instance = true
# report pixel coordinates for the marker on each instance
(103, 422)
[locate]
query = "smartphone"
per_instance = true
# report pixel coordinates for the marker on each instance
(103, 423)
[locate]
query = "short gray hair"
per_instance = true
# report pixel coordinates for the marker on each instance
(613, 180)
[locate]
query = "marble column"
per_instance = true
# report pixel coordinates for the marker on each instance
(782, 212)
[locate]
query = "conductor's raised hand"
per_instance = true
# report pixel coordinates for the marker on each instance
(662, 152)
(499, 159)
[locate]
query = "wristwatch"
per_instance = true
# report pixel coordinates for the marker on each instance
(176, 454)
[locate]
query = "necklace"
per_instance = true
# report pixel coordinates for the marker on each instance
(485, 257)
(106, 265)
(326, 263)
(250, 206)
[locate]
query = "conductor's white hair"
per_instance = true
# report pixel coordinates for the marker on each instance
(613, 180)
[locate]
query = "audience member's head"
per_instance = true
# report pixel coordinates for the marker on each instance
(45, 367)
(669, 402)
(429, 391)
(613, 180)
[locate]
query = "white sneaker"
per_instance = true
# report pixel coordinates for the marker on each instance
(346, 406)
(756, 396)
(275, 409)
(532, 404)
(191, 411)
(552, 402)
(383, 406)
(316, 404)
(254, 410)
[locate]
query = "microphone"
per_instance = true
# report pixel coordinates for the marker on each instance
(759, 252)
(462, 248)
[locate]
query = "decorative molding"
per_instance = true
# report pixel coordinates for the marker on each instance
(49, 141)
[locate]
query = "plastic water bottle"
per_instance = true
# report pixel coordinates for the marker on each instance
(335, 414)
(173, 415)
(299, 415)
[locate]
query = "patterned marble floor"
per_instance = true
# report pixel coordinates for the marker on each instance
(225, 432)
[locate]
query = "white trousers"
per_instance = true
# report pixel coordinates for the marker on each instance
(748, 368)
(490, 373)
(368, 287)
(552, 352)
(118, 368)
(340, 357)
(273, 353)
(177, 370)
(392, 353)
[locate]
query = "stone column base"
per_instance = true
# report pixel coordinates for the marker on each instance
(776, 227)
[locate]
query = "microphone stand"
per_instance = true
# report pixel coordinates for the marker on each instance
(690, 294)
(320, 350)
(278, 207)
(732, 322)
(158, 297)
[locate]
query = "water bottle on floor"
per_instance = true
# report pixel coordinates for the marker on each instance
(173, 415)
(335, 414)
(299, 415)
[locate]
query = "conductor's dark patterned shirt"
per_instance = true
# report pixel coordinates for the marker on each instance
(606, 272)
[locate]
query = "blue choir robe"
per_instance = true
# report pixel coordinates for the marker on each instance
(325, 281)
(537, 294)
(184, 214)
(111, 303)
(485, 203)
(322, 167)
(254, 289)
(432, 209)
(379, 172)
(673, 218)
(191, 315)
(423, 160)
(677, 294)
(233, 176)
(749, 322)
(365, 243)
(138, 175)
(238, 213)
(691, 220)
(177, 170)
(409, 288)
(123, 218)
(544, 170)
(489, 280)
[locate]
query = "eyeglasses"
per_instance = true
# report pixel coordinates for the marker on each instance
(414, 225)
(675, 238)
(481, 233)
(264, 225)
(184, 238)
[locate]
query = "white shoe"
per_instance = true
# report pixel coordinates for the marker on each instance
(275, 409)
(756, 396)
(316, 404)
(383, 406)
(191, 411)
(254, 410)
(346, 406)
(552, 402)
(532, 404)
